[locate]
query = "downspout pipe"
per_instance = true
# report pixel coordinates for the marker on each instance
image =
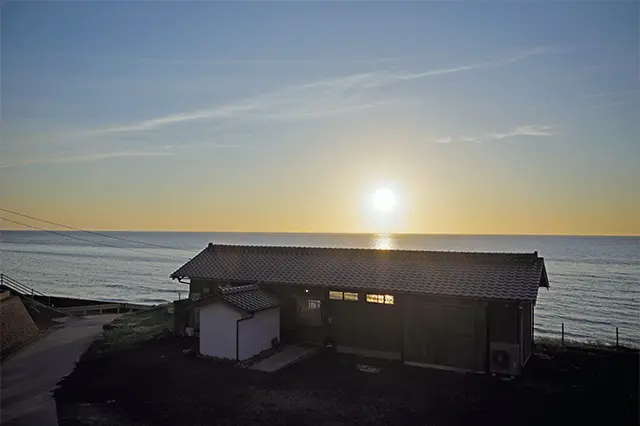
(238, 335)
(184, 282)
(521, 333)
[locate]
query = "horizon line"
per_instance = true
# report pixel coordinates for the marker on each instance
(324, 233)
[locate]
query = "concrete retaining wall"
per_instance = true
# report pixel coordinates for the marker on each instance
(16, 325)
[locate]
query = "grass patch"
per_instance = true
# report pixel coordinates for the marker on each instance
(137, 327)
(542, 342)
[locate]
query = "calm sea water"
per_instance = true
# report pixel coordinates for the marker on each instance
(595, 281)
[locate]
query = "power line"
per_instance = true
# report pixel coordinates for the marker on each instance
(91, 241)
(88, 232)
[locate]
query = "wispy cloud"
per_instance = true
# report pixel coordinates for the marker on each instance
(490, 64)
(469, 139)
(319, 98)
(84, 158)
(202, 145)
(446, 139)
(528, 130)
(531, 130)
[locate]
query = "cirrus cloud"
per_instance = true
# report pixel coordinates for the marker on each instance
(320, 98)
(531, 130)
(83, 158)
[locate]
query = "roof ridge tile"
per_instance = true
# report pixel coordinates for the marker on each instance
(307, 249)
(239, 289)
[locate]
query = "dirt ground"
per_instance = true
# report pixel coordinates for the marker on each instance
(157, 384)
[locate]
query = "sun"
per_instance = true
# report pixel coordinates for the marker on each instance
(384, 200)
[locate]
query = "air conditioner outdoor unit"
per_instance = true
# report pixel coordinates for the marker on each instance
(504, 358)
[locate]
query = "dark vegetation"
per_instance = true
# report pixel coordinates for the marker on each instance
(153, 382)
(131, 330)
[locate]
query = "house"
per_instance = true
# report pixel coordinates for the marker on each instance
(236, 322)
(455, 310)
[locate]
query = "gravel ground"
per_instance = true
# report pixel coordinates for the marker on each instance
(157, 384)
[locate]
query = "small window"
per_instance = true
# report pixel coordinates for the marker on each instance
(313, 304)
(375, 298)
(339, 295)
(351, 296)
(335, 295)
(386, 299)
(206, 290)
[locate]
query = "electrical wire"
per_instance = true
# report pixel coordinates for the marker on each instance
(91, 241)
(88, 232)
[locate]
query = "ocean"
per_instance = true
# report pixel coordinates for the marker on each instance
(595, 281)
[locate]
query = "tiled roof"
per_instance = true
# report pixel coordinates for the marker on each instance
(505, 276)
(249, 298)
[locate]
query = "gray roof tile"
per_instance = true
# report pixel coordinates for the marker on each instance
(249, 298)
(505, 276)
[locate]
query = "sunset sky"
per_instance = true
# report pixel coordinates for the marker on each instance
(480, 117)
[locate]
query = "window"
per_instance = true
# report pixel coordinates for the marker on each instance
(351, 296)
(335, 295)
(386, 299)
(313, 304)
(339, 295)
(309, 312)
(375, 298)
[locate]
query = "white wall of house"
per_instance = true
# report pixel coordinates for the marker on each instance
(256, 333)
(218, 330)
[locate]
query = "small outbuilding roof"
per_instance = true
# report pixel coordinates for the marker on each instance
(249, 298)
(503, 276)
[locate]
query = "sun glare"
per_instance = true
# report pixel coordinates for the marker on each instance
(384, 200)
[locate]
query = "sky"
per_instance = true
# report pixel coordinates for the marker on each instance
(480, 117)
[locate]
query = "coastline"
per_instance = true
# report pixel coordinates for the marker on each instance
(594, 281)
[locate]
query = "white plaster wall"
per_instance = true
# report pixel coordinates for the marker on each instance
(256, 333)
(218, 330)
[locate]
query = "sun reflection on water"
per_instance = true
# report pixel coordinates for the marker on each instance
(384, 242)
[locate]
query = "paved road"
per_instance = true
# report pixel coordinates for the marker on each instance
(29, 377)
